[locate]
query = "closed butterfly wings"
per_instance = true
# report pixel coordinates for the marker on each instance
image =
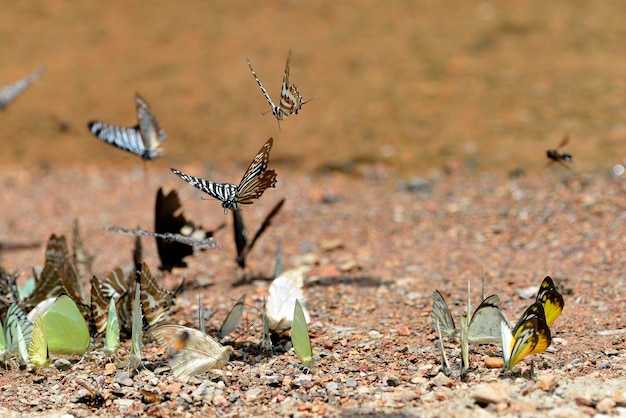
(144, 139)
(441, 316)
(281, 300)
(551, 300)
(155, 302)
(255, 181)
(530, 335)
(11, 91)
(290, 100)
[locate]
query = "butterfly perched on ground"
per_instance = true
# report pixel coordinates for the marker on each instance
(10, 92)
(233, 319)
(190, 352)
(290, 100)
(144, 139)
(300, 336)
(169, 219)
(283, 293)
(155, 302)
(241, 234)
(38, 354)
(530, 335)
(255, 180)
(441, 316)
(556, 155)
(551, 300)
(16, 332)
(136, 347)
(112, 336)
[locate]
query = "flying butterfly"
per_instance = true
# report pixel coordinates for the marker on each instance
(190, 352)
(255, 180)
(169, 219)
(11, 91)
(530, 335)
(241, 234)
(38, 346)
(283, 293)
(233, 319)
(290, 100)
(556, 155)
(551, 300)
(300, 336)
(143, 139)
(155, 302)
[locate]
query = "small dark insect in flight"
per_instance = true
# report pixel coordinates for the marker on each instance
(556, 155)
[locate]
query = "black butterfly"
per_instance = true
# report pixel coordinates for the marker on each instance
(254, 182)
(144, 139)
(241, 239)
(560, 157)
(168, 219)
(10, 92)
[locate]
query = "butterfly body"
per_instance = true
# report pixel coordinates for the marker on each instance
(556, 155)
(255, 181)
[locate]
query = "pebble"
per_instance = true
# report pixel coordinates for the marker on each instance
(62, 364)
(494, 392)
(605, 405)
(440, 380)
(351, 383)
(253, 393)
(547, 383)
(494, 362)
(332, 386)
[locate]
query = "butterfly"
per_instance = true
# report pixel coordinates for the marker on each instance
(169, 219)
(155, 301)
(551, 300)
(241, 234)
(530, 335)
(233, 319)
(445, 364)
(112, 338)
(190, 352)
(300, 336)
(441, 316)
(38, 346)
(143, 139)
(255, 180)
(113, 286)
(17, 332)
(200, 243)
(290, 100)
(283, 293)
(10, 92)
(555, 156)
(66, 329)
(266, 342)
(136, 347)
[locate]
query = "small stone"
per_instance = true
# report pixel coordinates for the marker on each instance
(351, 383)
(332, 386)
(404, 331)
(110, 369)
(331, 244)
(252, 394)
(493, 362)
(127, 382)
(220, 400)
(494, 392)
(440, 380)
(62, 364)
(547, 383)
(605, 405)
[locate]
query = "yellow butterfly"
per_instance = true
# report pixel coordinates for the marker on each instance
(531, 335)
(551, 300)
(38, 345)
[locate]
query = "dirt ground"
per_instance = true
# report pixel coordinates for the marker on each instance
(398, 177)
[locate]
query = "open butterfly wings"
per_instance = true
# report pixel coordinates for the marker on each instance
(255, 181)
(11, 91)
(290, 100)
(144, 139)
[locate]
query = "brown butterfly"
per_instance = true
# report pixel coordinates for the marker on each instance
(155, 301)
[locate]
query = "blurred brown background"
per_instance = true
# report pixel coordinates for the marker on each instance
(413, 85)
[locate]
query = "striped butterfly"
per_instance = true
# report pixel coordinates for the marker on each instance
(441, 316)
(154, 301)
(241, 234)
(10, 92)
(551, 300)
(143, 139)
(17, 331)
(290, 100)
(255, 180)
(530, 335)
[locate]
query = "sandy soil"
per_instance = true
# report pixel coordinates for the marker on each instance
(458, 97)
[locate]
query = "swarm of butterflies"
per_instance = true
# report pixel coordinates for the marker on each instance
(62, 321)
(490, 325)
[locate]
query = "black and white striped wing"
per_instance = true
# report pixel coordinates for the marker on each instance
(151, 131)
(10, 92)
(225, 192)
(128, 139)
(290, 100)
(275, 109)
(256, 178)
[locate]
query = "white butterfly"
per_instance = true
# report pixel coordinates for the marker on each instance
(281, 300)
(10, 92)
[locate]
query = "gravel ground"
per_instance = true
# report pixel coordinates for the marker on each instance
(376, 249)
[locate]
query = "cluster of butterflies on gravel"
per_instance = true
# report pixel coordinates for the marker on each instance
(61, 321)
(490, 325)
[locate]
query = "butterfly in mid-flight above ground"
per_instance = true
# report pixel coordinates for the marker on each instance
(10, 92)
(290, 100)
(255, 180)
(556, 155)
(143, 139)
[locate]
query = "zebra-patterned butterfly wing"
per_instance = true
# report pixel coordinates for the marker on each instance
(155, 301)
(290, 100)
(167, 237)
(255, 180)
(241, 234)
(143, 139)
(10, 92)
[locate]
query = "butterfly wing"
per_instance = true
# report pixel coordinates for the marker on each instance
(10, 92)
(300, 336)
(281, 300)
(128, 139)
(16, 328)
(225, 192)
(38, 346)
(233, 319)
(531, 335)
(290, 100)
(241, 238)
(257, 178)
(112, 340)
(266, 343)
(551, 300)
(151, 131)
(98, 307)
(66, 329)
(275, 109)
(484, 327)
(155, 302)
(441, 314)
(136, 348)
